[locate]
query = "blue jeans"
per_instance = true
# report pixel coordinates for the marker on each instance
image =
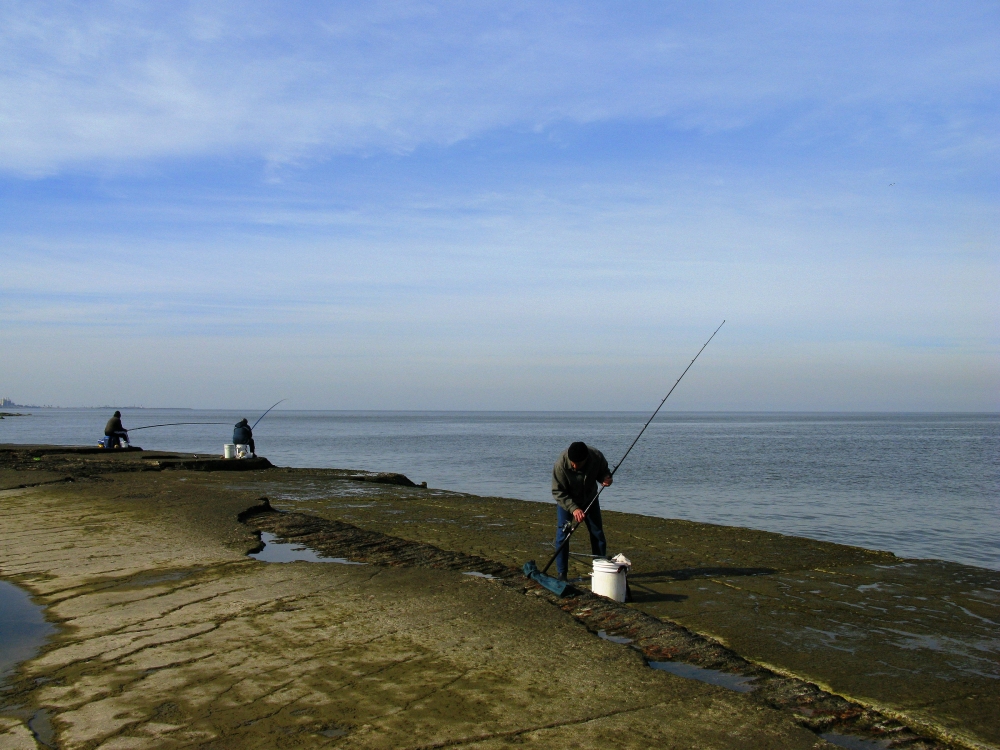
(598, 544)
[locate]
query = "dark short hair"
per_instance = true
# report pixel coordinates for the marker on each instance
(118, 413)
(578, 452)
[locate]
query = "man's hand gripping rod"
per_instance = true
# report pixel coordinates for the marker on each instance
(575, 526)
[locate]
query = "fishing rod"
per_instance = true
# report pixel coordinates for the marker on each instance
(265, 414)
(573, 528)
(175, 424)
(169, 424)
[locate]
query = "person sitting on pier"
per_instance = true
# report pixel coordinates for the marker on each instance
(114, 432)
(243, 435)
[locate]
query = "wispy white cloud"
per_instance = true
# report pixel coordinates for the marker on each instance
(102, 84)
(412, 204)
(807, 267)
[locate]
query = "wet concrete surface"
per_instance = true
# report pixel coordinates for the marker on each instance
(916, 640)
(690, 655)
(735, 682)
(854, 743)
(170, 635)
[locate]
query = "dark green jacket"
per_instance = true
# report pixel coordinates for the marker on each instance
(575, 489)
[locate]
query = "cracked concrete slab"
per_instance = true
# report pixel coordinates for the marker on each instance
(911, 638)
(169, 635)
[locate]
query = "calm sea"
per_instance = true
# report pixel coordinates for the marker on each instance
(919, 485)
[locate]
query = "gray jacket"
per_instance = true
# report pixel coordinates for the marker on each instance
(575, 489)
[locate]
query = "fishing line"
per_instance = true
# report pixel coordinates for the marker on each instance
(177, 424)
(169, 424)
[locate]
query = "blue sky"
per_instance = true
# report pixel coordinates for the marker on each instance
(500, 205)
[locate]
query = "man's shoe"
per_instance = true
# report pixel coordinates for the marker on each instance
(561, 577)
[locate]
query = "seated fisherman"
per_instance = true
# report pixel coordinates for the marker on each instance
(243, 435)
(114, 431)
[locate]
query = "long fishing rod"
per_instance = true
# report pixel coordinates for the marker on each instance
(265, 414)
(573, 528)
(175, 424)
(169, 424)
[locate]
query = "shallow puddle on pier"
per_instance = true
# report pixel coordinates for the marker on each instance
(853, 743)
(614, 638)
(333, 732)
(736, 682)
(40, 725)
(284, 552)
(23, 628)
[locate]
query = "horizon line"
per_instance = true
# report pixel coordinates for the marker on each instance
(520, 411)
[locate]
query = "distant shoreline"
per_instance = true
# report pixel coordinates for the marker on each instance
(676, 412)
(131, 408)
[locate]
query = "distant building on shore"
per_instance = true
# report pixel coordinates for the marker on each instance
(8, 402)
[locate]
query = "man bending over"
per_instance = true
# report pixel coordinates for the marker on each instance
(575, 476)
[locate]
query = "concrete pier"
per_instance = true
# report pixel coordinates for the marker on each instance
(170, 635)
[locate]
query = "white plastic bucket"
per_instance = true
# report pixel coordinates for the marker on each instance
(229, 450)
(608, 579)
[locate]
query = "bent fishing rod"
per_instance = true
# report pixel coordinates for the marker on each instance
(265, 414)
(177, 424)
(574, 527)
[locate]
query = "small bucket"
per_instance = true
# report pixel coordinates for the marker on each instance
(229, 450)
(608, 579)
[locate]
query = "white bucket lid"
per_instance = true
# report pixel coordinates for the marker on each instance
(608, 566)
